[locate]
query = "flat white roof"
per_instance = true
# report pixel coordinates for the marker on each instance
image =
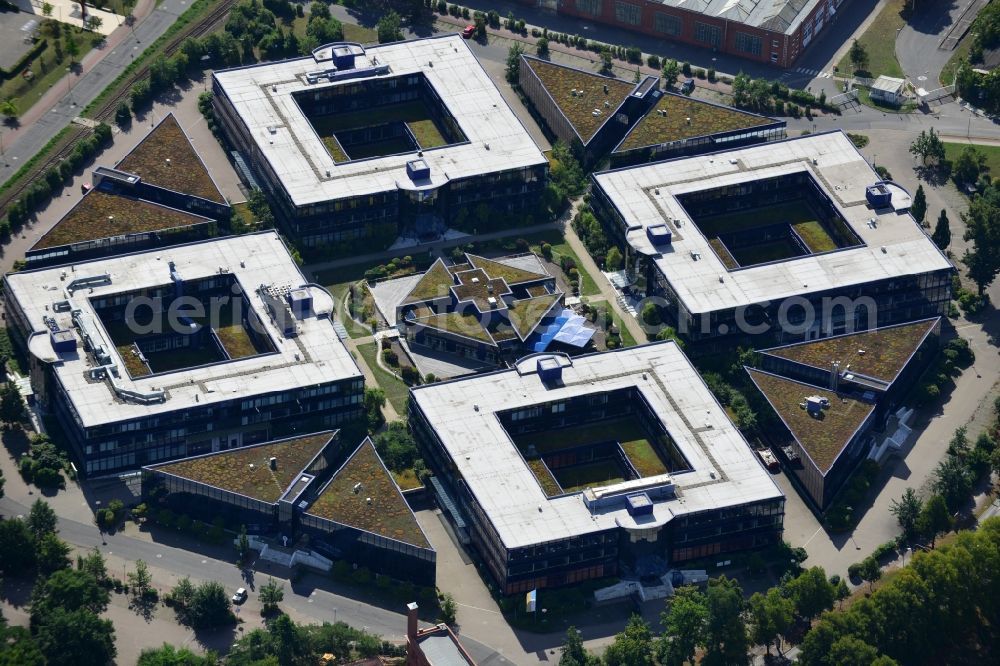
(889, 84)
(262, 96)
(725, 472)
(314, 356)
(646, 196)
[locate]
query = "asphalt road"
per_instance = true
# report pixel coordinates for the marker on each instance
(82, 90)
(917, 44)
(307, 596)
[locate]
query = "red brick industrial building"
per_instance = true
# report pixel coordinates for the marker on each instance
(769, 31)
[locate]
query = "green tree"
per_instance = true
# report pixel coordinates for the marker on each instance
(870, 571)
(651, 314)
(542, 47)
(771, 615)
(934, 518)
(76, 637)
(17, 548)
(209, 607)
(243, 551)
(633, 646)
(168, 655)
(613, 260)
(46, 9)
(919, 206)
(858, 56)
(942, 231)
(41, 519)
(12, 409)
(374, 401)
(449, 609)
(9, 108)
(51, 554)
(18, 647)
(573, 653)
(513, 68)
(397, 447)
(850, 651)
(93, 565)
(388, 28)
(72, 48)
(140, 579)
(671, 70)
(926, 146)
(967, 166)
(606, 63)
(94, 22)
(953, 482)
(271, 594)
(684, 622)
(70, 590)
(726, 635)
(811, 592)
(907, 511)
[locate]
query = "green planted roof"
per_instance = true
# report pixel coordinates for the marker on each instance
(458, 323)
(246, 470)
(560, 81)
(101, 215)
(823, 437)
(435, 283)
(880, 354)
(166, 158)
(376, 506)
(705, 119)
(527, 313)
(510, 274)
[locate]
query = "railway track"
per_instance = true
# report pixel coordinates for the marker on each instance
(105, 112)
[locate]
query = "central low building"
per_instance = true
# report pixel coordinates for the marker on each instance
(566, 469)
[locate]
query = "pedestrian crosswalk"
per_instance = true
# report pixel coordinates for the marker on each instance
(814, 73)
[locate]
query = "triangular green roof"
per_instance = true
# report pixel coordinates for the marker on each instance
(823, 437)
(510, 274)
(458, 323)
(433, 284)
(387, 514)
(525, 314)
(880, 353)
(687, 118)
(166, 158)
(231, 469)
(577, 93)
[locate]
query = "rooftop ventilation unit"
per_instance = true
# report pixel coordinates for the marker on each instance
(492, 301)
(549, 369)
(475, 280)
(418, 169)
(658, 234)
(272, 462)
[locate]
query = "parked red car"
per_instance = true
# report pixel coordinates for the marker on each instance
(469, 31)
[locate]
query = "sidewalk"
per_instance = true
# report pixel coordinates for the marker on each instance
(89, 61)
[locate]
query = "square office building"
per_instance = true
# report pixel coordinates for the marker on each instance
(357, 142)
(565, 469)
(791, 240)
(183, 350)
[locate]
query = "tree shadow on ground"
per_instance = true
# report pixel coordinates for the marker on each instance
(144, 606)
(16, 591)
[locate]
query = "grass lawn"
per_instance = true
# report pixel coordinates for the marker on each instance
(242, 211)
(686, 118)
(354, 329)
(589, 475)
(619, 430)
(333, 147)
(815, 236)
(46, 67)
(961, 51)
(236, 340)
(626, 335)
(426, 133)
(992, 154)
(723, 253)
(588, 286)
(407, 479)
(352, 31)
(545, 479)
(879, 41)
(644, 458)
(782, 248)
(135, 367)
(396, 392)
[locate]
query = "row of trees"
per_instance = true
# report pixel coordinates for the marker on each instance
(66, 602)
(718, 621)
(943, 608)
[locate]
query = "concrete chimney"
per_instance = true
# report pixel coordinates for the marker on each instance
(834, 375)
(411, 621)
